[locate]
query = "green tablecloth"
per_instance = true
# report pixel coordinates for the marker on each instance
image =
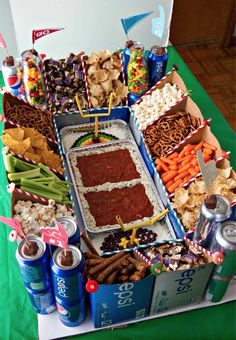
(17, 319)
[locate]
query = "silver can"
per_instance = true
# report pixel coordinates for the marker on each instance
(13, 78)
(210, 219)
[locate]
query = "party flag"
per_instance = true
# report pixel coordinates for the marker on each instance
(130, 22)
(13, 223)
(55, 236)
(37, 34)
(2, 42)
(158, 24)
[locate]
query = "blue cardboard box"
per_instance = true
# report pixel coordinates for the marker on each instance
(121, 302)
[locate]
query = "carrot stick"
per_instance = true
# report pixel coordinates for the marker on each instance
(182, 175)
(186, 161)
(199, 145)
(209, 146)
(194, 161)
(184, 168)
(206, 157)
(163, 165)
(168, 161)
(189, 147)
(192, 171)
(174, 186)
(173, 167)
(169, 176)
(208, 151)
(184, 158)
(193, 152)
(197, 168)
(173, 155)
(158, 167)
(187, 153)
(168, 184)
(182, 154)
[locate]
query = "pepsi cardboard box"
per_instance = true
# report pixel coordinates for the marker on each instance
(121, 302)
(181, 287)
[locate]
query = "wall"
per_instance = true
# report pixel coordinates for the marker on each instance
(7, 30)
(90, 25)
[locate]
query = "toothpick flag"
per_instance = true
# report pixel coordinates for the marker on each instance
(13, 223)
(55, 236)
(130, 22)
(37, 34)
(3, 44)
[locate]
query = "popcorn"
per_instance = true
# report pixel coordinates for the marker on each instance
(153, 105)
(32, 216)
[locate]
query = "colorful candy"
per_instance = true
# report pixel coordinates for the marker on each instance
(33, 81)
(137, 72)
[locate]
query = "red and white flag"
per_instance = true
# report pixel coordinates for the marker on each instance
(2, 42)
(55, 236)
(37, 34)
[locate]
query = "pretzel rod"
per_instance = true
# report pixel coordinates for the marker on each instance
(88, 243)
(106, 263)
(118, 264)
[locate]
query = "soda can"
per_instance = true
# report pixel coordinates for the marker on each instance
(42, 302)
(209, 220)
(35, 269)
(68, 279)
(71, 229)
(224, 242)
(13, 78)
(71, 315)
(157, 62)
(126, 54)
(132, 98)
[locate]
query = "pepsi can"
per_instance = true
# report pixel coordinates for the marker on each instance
(13, 78)
(67, 269)
(43, 302)
(157, 62)
(71, 315)
(224, 242)
(71, 229)
(132, 98)
(210, 218)
(35, 268)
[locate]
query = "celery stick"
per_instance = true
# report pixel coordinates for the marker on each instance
(25, 174)
(64, 184)
(45, 180)
(58, 187)
(48, 171)
(23, 166)
(39, 186)
(55, 197)
(8, 162)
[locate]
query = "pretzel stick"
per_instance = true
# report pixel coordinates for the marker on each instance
(140, 266)
(88, 243)
(106, 263)
(109, 269)
(89, 255)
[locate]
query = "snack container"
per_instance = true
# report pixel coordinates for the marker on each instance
(180, 287)
(171, 77)
(42, 302)
(121, 302)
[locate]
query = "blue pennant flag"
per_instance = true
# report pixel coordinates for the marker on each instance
(158, 24)
(130, 22)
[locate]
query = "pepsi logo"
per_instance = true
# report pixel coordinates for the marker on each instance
(14, 82)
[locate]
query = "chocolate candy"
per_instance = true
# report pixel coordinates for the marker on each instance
(9, 61)
(211, 202)
(65, 79)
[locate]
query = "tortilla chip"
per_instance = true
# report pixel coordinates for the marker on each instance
(113, 74)
(100, 76)
(92, 69)
(14, 145)
(104, 55)
(96, 90)
(94, 101)
(33, 157)
(15, 133)
(93, 58)
(122, 91)
(107, 86)
(107, 65)
(224, 172)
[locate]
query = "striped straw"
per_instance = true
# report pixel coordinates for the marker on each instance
(123, 74)
(29, 194)
(86, 82)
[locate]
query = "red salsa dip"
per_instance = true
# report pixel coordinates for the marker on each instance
(131, 204)
(113, 166)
